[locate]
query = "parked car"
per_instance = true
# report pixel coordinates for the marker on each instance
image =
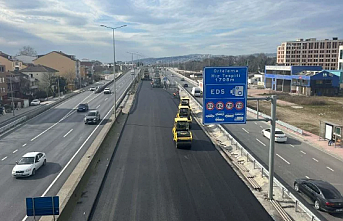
(185, 85)
(182, 79)
(279, 135)
(35, 102)
(82, 107)
(107, 91)
(196, 92)
(325, 196)
(93, 117)
(92, 88)
(29, 164)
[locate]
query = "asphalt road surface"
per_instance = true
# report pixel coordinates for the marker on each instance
(59, 132)
(294, 159)
(149, 179)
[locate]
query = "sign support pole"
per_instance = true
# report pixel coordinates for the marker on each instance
(272, 147)
(33, 207)
(53, 207)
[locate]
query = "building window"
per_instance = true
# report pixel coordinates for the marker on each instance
(310, 46)
(328, 46)
(2, 68)
(334, 44)
(341, 54)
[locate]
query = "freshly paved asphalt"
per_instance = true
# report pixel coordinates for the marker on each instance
(149, 179)
(48, 133)
(302, 159)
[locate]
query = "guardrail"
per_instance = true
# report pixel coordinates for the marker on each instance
(284, 124)
(264, 171)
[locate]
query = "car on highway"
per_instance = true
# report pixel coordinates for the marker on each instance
(279, 135)
(172, 75)
(29, 164)
(107, 91)
(92, 88)
(196, 92)
(182, 79)
(35, 102)
(185, 85)
(92, 117)
(324, 195)
(82, 107)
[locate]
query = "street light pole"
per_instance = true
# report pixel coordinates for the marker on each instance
(12, 94)
(114, 65)
(58, 85)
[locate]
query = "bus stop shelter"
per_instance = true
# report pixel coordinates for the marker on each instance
(331, 132)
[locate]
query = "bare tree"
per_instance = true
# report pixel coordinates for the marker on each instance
(46, 82)
(27, 50)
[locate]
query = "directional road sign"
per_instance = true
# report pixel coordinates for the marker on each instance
(225, 95)
(42, 206)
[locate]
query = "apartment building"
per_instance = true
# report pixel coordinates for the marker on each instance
(66, 65)
(310, 52)
(3, 86)
(9, 63)
(340, 58)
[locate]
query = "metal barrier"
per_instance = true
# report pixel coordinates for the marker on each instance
(264, 171)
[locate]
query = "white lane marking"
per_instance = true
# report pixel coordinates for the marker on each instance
(283, 159)
(15, 151)
(97, 106)
(330, 169)
(245, 130)
(4, 158)
(307, 177)
(24, 144)
(71, 159)
(315, 159)
(255, 123)
(65, 116)
(302, 152)
(291, 145)
(68, 133)
(261, 126)
(106, 98)
(260, 142)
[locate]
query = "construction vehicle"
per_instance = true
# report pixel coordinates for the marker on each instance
(182, 136)
(146, 75)
(184, 101)
(185, 112)
(156, 82)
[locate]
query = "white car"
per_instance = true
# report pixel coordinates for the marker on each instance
(35, 102)
(29, 164)
(279, 135)
(107, 91)
(196, 92)
(92, 88)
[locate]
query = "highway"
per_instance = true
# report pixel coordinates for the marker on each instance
(59, 132)
(294, 159)
(149, 179)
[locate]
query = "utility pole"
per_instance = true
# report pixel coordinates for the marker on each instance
(12, 94)
(272, 147)
(58, 85)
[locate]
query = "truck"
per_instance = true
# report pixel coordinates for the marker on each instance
(182, 136)
(156, 82)
(146, 75)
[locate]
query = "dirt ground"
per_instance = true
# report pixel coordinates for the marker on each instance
(301, 111)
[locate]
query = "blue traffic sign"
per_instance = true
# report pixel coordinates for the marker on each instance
(225, 95)
(42, 206)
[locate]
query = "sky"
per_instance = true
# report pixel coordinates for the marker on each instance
(163, 28)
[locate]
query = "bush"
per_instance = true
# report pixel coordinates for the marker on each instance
(302, 100)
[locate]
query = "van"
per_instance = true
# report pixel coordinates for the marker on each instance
(196, 92)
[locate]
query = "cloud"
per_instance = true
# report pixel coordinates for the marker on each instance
(165, 27)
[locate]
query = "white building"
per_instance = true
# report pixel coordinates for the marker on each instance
(37, 73)
(340, 58)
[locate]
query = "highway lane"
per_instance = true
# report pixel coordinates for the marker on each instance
(149, 179)
(60, 137)
(294, 159)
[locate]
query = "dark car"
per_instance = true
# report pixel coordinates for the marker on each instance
(185, 85)
(325, 196)
(82, 107)
(93, 117)
(182, 79)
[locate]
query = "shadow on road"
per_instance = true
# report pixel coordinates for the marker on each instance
(293, 141)
(44, 171)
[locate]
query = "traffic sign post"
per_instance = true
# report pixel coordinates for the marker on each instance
(225, 95)
(42, 206)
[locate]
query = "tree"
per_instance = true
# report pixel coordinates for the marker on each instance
(46, 82)
(24, 86)
(27, 50)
